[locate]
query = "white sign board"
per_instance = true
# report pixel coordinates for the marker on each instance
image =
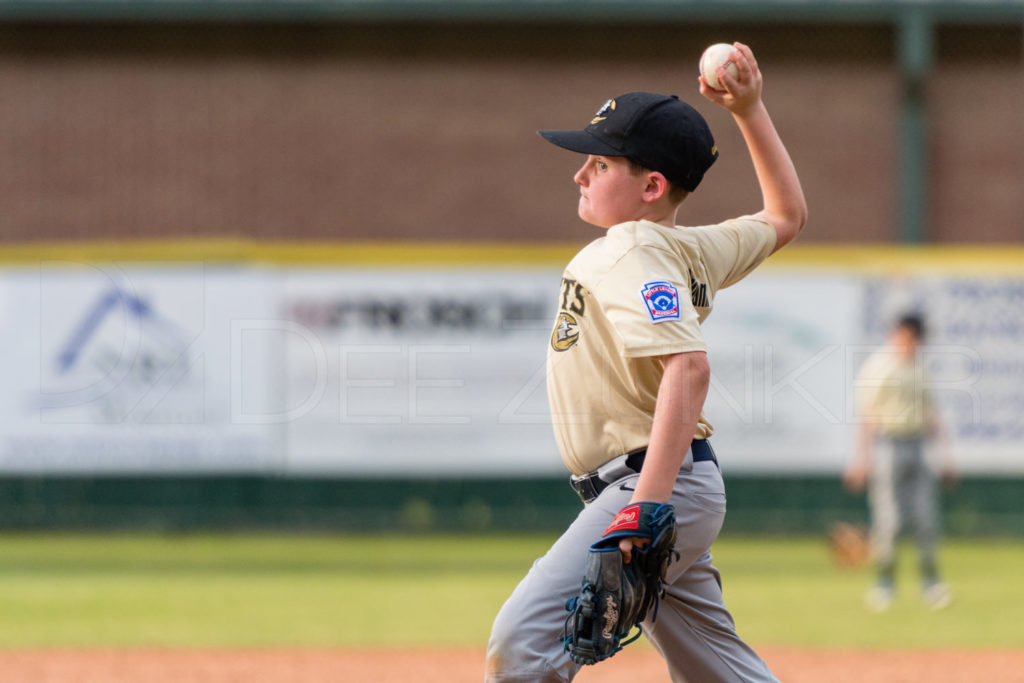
(394, 372)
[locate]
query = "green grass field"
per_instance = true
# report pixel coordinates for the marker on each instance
(282, 591)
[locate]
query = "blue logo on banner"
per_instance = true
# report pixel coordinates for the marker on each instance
(662, 299)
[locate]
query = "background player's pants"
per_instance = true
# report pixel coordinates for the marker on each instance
(694, 632)
(903, 489)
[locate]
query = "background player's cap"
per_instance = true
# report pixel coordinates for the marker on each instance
(659, 132)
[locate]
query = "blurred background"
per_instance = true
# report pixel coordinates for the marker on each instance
(277, 265)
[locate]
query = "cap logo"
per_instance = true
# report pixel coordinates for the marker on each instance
(601, 114)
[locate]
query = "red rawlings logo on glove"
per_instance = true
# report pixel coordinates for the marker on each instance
(628, 518)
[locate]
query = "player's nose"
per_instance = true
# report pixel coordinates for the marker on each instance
(581, 175)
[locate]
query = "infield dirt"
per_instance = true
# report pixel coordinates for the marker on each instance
(466, 664)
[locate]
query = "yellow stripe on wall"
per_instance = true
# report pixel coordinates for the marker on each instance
(369, 254)
(1000, 259)
(997, 259)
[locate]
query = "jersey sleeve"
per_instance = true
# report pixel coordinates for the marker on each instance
(645, 297)
(734, 248)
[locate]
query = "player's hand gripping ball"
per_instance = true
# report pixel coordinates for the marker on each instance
(719, 54)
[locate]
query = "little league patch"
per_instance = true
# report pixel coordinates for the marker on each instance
(662, 299)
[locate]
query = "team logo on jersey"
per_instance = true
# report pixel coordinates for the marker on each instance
(662, 299)
(566, 333)
(601, 114)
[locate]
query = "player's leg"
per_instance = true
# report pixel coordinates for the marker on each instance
(918, 495)
(924, 508)
(885, 523)
(696, 635)
(693, 630)
(525, 641)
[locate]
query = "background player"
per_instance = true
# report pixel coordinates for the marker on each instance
(897, 416)
(628, 371)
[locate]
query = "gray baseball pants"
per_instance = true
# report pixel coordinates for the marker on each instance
(694, 632)
(903, 493)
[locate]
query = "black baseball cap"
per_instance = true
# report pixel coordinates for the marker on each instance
(659, 132)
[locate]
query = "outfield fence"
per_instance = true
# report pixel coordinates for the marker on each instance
(410, 395)
(775, 505)
(211, 318)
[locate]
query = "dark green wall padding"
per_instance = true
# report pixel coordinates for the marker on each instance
(987, 506)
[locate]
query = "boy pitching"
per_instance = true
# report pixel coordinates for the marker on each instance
(628, 372)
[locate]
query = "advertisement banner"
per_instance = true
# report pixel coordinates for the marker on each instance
(388, 371)
(128, 370)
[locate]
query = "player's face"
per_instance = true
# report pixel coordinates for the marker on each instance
(609, 191)
(905, 341)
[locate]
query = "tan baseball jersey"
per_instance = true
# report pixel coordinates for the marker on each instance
(636, 294)
(891, 392)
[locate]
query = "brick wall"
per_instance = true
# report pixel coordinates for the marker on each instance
(427, 132)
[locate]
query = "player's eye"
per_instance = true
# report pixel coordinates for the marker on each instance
(602, 166)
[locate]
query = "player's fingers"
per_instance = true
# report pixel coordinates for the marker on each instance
(710, 93)
(747, 72)
(742, 65)
(725, 79)
(626, 548)
(748, 54)
(733, 86)
(744, 73)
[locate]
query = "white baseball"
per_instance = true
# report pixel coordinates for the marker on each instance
(719, 54)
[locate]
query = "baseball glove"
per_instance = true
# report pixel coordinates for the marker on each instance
(848, 545)
(615, 597)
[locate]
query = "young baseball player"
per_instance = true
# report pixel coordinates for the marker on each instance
(897, 417)
(628, 372)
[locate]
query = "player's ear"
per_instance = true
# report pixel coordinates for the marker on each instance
(657, 186)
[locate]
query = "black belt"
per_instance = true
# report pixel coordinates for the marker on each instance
(589, 486)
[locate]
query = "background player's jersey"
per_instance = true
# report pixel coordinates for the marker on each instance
(627, 298)
(891, 391)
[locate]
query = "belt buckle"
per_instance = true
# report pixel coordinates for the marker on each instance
(584, 487)
(589, 486)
